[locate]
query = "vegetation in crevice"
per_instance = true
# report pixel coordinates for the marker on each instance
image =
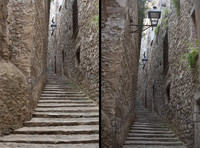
(190, 57)
(165, 18)
(95, 19)
(176, 4)
(157, 29)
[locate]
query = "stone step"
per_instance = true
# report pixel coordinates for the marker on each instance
(63, 95)
(152, 139)
(51, 139)
(32, 145)
(51, 105)
(61, 92)
(78, 129)
(149, 129)
(147, 126)
(64, 98)
(130, 142)
(61, 121)
(55, 85)
(68, 109)
(153, 146)
(65, 115)
(66, 101)
(150, 132)
(148, 123)
(150, 135)
(59, 87)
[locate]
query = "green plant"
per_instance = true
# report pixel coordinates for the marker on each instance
(157, 29)
(176, 4)
(190, 57)
(95, 18)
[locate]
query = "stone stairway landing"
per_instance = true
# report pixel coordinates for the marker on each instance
(64, 118)
(148, 131)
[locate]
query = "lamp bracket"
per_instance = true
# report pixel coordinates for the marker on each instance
(145, 27)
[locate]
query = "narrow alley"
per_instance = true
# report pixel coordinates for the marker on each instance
(49, 74)
(150, 74)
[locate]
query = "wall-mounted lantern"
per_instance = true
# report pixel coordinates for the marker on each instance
(154, 15)
(144, 60)
(53, 26)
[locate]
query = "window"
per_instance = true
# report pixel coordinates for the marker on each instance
(75, 16)
(168, 92)
(193, 24)
(165, 52)
(78, 56)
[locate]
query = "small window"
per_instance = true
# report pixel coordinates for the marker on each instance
(60, 7)
(193, 24)
(75, 16)
(165, 52)
(78, 56)
(168, 92)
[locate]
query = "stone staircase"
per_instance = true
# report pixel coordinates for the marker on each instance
(148, 131)
(64, 118)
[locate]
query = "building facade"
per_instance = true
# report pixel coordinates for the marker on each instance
(171, 85)
(120, 54)
(23, 53)
(74, 44)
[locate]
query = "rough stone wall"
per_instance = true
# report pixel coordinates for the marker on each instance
(39, 49)
(177, 108)
(86, 39)
(120, 55)
(21, 62)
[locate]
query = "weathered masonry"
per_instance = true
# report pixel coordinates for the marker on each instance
(74, 44)
(23, 50)
(171, 89)
(120, 53)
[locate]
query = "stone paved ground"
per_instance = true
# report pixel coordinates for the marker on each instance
(148, 131)
(64, 118)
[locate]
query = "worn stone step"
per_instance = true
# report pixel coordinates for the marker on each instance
(50, 105)
(128, 142)
(64, 98)
(63, 95)
(65, 115)
(150, 135)
(32, 145)
(154, 146)
(66, 101)
(51, 139)
(149, 129)
(61, 121)
(61, 89)
(68, 109)
(61, 92)
(152, 139)
(147, 126)
(147, 123)
(150, 132)
(79, 129)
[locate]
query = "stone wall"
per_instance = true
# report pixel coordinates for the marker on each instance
(120, 55)
(23, 60)
(170, 91)
(77, 54)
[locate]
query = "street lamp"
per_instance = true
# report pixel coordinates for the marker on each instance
(53, 25)
(154, 15)
(144, 60)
